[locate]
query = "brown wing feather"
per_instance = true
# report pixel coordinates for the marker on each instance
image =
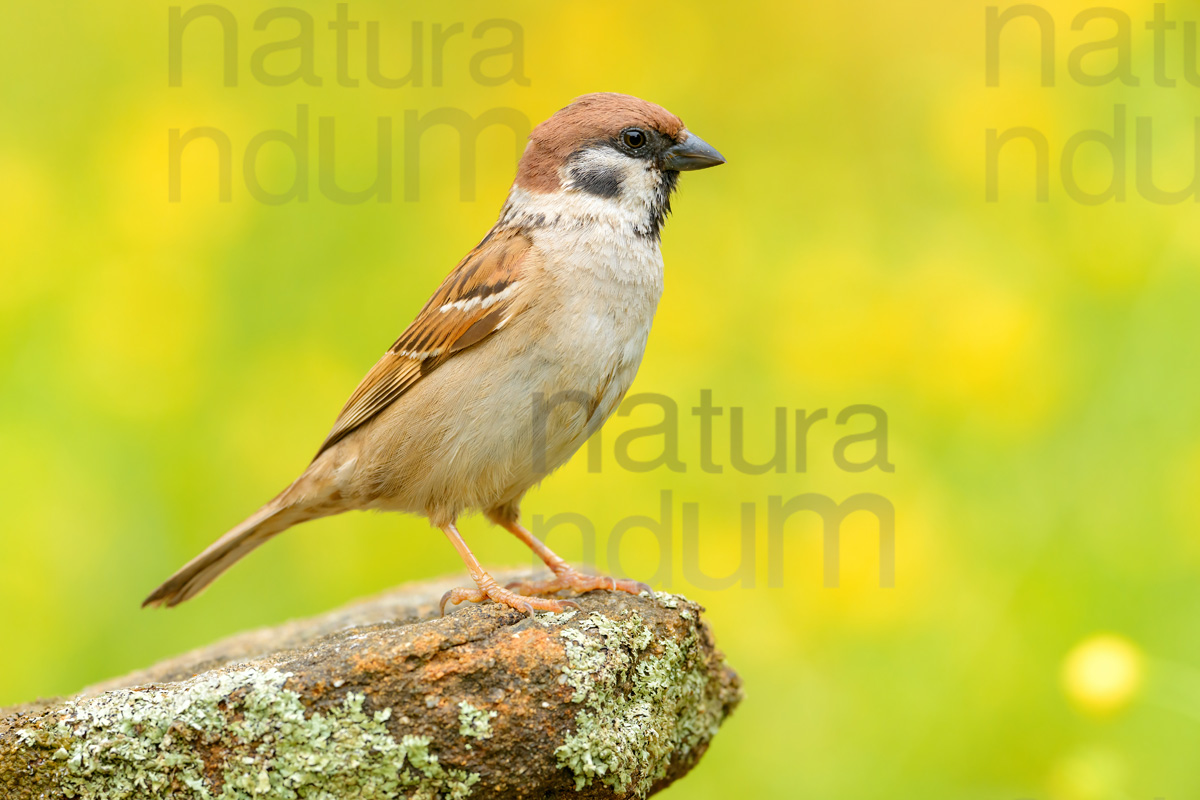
(473, 302)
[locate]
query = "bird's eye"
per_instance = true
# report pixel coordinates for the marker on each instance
(633, 138)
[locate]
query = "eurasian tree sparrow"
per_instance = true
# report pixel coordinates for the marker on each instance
(555, 302)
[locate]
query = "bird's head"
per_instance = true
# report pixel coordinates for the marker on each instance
(616, 148)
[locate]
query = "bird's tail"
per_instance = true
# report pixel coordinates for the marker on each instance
(275, 517)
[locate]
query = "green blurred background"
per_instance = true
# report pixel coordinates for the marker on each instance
(165, 367)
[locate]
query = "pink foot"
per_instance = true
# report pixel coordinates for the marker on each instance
(568, 578)
(505, 597)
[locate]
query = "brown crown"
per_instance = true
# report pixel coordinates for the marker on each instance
(588, 118)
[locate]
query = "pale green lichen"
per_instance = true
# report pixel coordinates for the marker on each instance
(644, 701)
(244, 726)
(550, 619)
(474, 723)
(668, 600)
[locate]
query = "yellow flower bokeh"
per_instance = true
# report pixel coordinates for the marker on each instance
(1103, 673)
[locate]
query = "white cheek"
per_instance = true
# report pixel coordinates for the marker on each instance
(598, 159)
(639, 180)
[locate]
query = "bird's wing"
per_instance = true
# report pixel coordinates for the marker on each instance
(477, 298)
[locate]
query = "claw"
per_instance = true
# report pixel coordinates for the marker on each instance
(456, 596)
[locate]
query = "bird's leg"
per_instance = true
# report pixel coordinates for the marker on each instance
(565, 576)
(488, 588)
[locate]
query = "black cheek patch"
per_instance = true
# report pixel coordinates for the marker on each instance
(600, 182)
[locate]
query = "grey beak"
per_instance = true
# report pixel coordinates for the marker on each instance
(692, 153)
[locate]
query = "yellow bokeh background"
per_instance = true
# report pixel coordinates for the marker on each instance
(165, 367)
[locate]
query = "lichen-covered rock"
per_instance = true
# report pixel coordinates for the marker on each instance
(384, 700)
